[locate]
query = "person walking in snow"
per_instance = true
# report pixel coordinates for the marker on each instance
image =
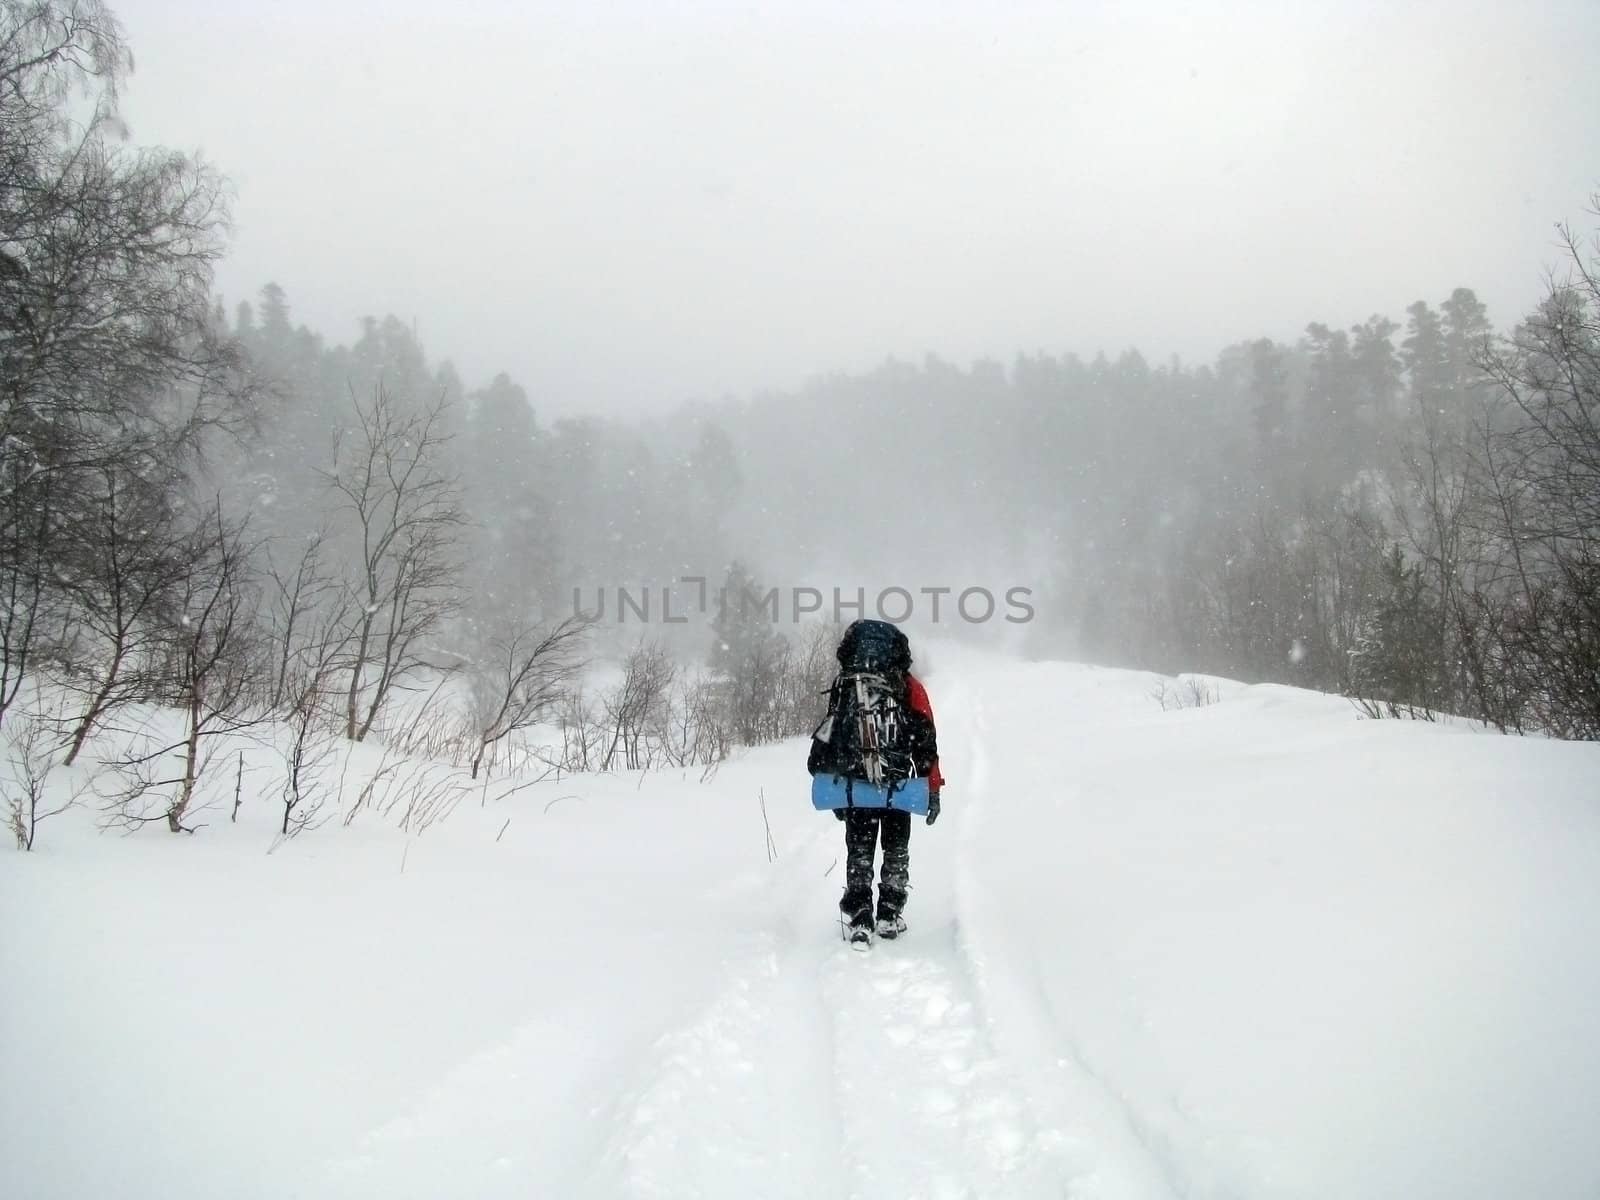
(875, 762)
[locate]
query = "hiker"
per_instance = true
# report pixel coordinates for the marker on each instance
(875, 761)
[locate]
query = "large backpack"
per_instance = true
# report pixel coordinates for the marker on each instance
(869, 732)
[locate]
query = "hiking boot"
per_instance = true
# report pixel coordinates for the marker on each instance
(890, 925)
(856, 914)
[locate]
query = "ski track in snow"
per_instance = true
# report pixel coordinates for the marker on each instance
(889, 1048)
(919, 1094)
(927, 1106)
(1101, 1140)
(737, 1102)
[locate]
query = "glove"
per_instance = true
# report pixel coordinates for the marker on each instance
(933, 807)
(839, 813)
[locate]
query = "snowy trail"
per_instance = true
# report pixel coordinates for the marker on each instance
(1090, 1127)
(739, 1100)
(809, 1070)
(821, 1071)
(1259, 950)
(928, 1107)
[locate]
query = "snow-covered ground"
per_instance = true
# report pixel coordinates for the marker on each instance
(1255, 949)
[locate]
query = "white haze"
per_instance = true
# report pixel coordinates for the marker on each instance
(628, 206)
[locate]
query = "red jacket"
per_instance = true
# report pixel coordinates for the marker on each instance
(917, 695)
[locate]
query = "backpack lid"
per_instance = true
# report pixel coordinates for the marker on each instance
(870, 645)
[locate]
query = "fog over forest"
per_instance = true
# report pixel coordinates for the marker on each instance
(398, 373)
(629, 206)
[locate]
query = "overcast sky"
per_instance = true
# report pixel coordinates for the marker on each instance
(629, 204)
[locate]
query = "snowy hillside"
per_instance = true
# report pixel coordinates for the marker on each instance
(1259, 948)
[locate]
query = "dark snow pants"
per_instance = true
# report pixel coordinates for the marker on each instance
(861, 830)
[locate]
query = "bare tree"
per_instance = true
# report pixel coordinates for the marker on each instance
(24, 570)
(1539, 464)
(305, 682)
(647, 676)
(711, 739)
(524, 675)
(581, 735)
(306, 630)
(120, 560)
(689, 727)
(32, 761)
(216, 668)
(804, 687)
(403, 517)
(310, 750)
(108, 359)
(1433, 514)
